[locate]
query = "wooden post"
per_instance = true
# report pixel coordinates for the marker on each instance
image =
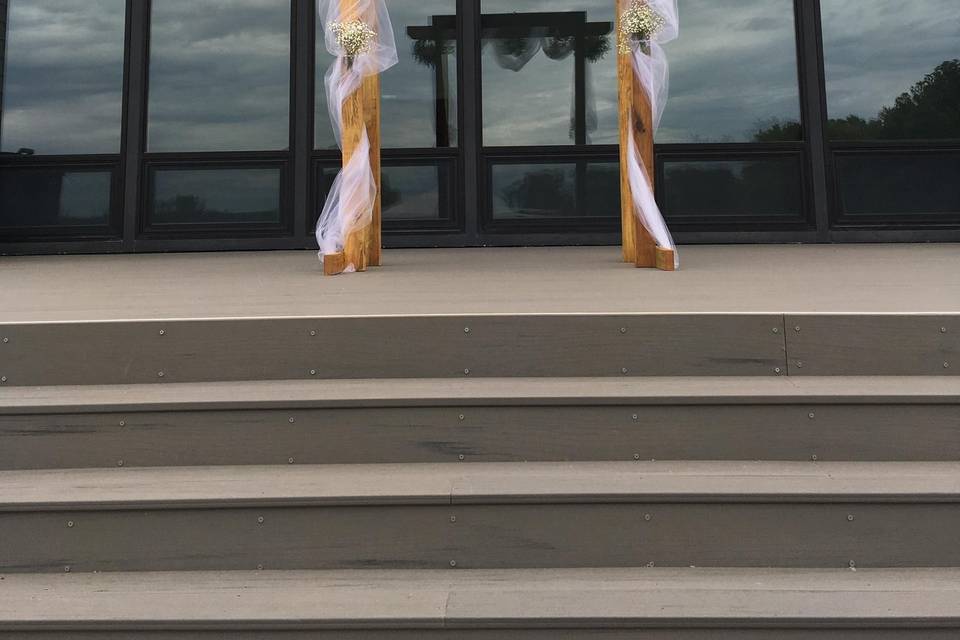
(636, 119)
(361, 110)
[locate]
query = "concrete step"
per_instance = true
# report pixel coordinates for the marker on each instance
(485, 515)
(483, 420)
(531, 604)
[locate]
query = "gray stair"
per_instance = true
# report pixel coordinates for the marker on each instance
(565, 604)
(652, 476)
(485, 420)
(496, 515)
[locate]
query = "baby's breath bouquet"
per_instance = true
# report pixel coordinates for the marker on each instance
(355, 37)
(639, 23)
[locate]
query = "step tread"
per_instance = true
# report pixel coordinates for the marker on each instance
(489, 391)
(480, 483)
(491, 598)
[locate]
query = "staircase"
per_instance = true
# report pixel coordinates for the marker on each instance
(507, 476)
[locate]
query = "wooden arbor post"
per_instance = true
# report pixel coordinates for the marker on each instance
(636, 119)
(363, 247)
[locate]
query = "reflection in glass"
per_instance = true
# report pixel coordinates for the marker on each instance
(549, 72)
(733, 73)
(899, 184)
(892, 69)
(219, 76)
(560, 190)
(768, 188)
(410, 192)
(48, 197)
(207, 196)
(62, 77)
(419, 95)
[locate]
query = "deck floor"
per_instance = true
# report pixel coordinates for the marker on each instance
(714, 279)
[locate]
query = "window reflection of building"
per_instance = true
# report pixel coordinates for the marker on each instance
(517, 38)
(3, 58)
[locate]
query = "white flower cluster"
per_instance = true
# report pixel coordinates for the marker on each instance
(355, 37)
(639, 23)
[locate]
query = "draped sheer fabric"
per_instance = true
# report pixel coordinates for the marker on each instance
(653, 72)
(349, 205)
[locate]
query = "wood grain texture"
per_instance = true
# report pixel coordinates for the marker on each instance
(626, 81)
(371, 114)
(420, 347)
(839, 345)
(566, 604)
(873, 432)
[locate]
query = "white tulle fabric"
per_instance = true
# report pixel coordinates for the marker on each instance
(349, 206)
(653, 71)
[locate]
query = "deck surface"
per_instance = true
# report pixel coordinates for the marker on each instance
(714, 279)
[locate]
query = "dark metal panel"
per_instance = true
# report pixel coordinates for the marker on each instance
(393, 347)
(731, 534)
(911, 630)
(135, 112)
(483, 434)
(835, 345)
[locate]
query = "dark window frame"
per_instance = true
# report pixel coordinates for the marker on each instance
(470, 161)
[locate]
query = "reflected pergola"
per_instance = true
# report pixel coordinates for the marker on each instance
(561, 33)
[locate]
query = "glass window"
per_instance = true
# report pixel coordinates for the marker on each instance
(556, 190)
(419, 95)
(410, 192)
(53, 197)
(534, 91)
(61, 76)
(892, 69)
(758, 189)
(219, 76)
(215, 196)
(733, 73)
(899, 184)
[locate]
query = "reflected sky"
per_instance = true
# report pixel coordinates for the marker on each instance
(409, 89)
(63, 76)
(875, 50)
(219, 75)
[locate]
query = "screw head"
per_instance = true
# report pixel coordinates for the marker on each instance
(799, 364)
(647, 517)
(291, 420)
(778, 370)
(850, 518)
(624, 371)
(289, 460)
(651, 565)
(453, 518)
(942, 330)
(814, 457)
(453, 563)
(852, 564)
(119, 463)
(636, 416)
(163, 332)
(66, 569)
(466, 329)
(636, 456)
(70, 524)
(776, 330)
(6, 340)
(797, 328)
(462, 417)
(160, 374)
(259, 567)
(260, 520)
(461, 457)
(313, 333)
(313, 372)
(3, 378)
(123, 423)
(623, 329)
(811, 415)
(466, 372)
(946, 365)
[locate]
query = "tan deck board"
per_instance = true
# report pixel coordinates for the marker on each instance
(715, 279)
(431, 599)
